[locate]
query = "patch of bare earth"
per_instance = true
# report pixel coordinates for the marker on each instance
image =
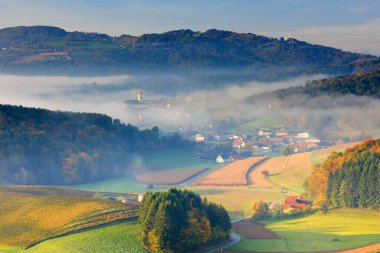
(251, 229)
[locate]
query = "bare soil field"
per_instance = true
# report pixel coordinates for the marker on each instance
(234, 174)
(168, 177)
(251, 229)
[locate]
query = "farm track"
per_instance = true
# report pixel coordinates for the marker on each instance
(251, 169)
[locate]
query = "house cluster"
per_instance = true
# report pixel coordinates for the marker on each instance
(270, 139)
(294, 203)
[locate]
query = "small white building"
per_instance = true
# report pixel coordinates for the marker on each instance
(140, 198)
(219, 159)
(303, 135)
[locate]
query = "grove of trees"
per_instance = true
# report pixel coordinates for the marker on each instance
(179, 221)
(350, 179)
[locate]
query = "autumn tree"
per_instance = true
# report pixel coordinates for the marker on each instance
(260, 209)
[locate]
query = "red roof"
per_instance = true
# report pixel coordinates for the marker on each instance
(237, 142)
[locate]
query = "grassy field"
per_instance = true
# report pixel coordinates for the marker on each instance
(238, 199)
(117, 237)
(174, 160)
(339, 229)
(168, 177)
(29, 216)
(124, 184)
(166, 160)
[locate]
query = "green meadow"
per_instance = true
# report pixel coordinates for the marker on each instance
(339, 229)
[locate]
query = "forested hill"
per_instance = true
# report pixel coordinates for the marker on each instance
(359, 85)
(53, 49)
(350, 179)
(45, 147)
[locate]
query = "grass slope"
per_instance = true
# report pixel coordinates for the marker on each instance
(119, 237)
(339, 229)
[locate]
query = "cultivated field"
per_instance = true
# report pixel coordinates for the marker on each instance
(234, 174)
(29, 215)
(339, 229)
(168, 177)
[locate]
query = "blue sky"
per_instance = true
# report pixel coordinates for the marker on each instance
(347, 24)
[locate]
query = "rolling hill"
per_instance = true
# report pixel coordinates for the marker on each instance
(51, 147)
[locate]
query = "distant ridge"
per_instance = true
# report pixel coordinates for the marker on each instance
(244, 54)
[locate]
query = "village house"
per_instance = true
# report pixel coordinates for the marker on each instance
(281, 132)
(200, 138)
(304, 135)
(294, 202)
(238, 144)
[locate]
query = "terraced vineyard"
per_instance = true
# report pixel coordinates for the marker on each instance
(31, 214)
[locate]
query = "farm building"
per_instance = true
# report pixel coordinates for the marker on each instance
(219, 159)
(293, 202)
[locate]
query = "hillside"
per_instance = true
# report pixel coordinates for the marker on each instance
(359, 85)
(31, 214)
(350, 179)
(46, 147)
(49, 49)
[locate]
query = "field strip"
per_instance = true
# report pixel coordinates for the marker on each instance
(251, 169)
